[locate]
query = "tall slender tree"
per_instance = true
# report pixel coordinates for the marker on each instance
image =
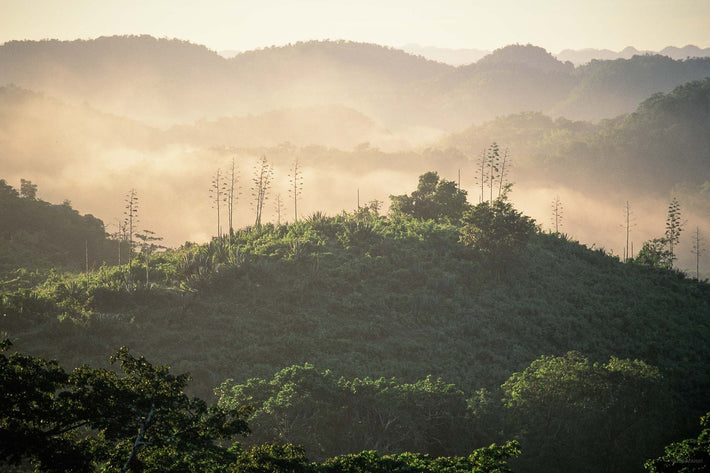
(504, 171)
(218, 195)
(492, 167)
(232, 196)
(261, 183)
(698, 250)
(296, 186)
(557, 214)
(130, 214)
(674, 227)
(628, 225)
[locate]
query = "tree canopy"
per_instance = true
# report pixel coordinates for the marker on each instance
(434, 199)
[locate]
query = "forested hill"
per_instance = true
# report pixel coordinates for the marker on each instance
(36, 235)
(469, 301)
(167, 81)
(662, 144)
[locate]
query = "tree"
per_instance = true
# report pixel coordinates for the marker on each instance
(674, 227)
(557, 212)
(232, 196)
(35, 418)
(504, 171)
(573, 415)
(698, 250)
(218, 194)
(28, 190)
(628, 224)
(655, 253)
(686, 456)
(433, 199)
(496, 230)
(149, 245)
(140, 420)
(130, 214)
(296, 186)
(261, 183)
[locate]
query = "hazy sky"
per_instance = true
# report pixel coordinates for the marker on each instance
(250, 24)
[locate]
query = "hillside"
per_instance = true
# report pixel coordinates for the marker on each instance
(36, 235)
(662, 144)
(369, 296)
(164, 82)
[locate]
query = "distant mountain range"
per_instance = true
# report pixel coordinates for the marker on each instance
(461, 57)
(167, 82)
(583, 56)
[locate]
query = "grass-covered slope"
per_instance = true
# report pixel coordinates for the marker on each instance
(372, 296)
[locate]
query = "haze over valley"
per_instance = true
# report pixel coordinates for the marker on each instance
(471, 237)
(161, 116)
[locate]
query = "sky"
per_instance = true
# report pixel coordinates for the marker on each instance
(242, 25)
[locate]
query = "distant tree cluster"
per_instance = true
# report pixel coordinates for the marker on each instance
(434, 198)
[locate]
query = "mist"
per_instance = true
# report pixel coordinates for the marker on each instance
(359, 118)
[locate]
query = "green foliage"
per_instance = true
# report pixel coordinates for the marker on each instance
(497, 230)
(330, 416)
(97, 419)
(655, 253)
(38, 235)
(493, 459)
(573, 415)
(378, 297)
(433, 199)
(686, 456)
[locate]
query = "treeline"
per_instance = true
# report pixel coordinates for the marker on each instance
(139, 418)
(567, 413)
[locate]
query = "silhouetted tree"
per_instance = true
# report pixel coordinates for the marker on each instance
(296, 186)
(261, 183)
(433, 199)
(674, 227)
(28, 190)
(557, 212)
(698, 250)
(130, 213)
(218, 194)
(232, 196)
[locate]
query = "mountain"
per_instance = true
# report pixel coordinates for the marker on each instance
(662, 144)
(166, 82)
(584, 56)
(162, 80)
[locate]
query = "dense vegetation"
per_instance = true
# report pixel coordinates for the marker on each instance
(433, 329)
(141, 420)
(38, 235)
